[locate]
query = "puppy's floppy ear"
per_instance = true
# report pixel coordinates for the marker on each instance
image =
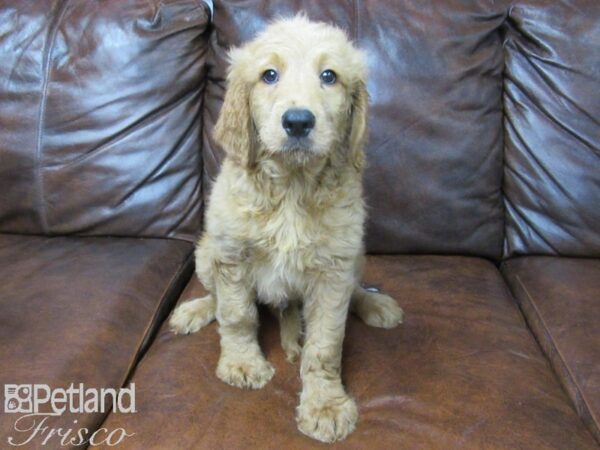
(358, 124)
(234, 129)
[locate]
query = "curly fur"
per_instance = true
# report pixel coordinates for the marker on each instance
(284, 225)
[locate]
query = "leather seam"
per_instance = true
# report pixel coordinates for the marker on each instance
(164, 294)
(559, 354)
(137, 352)
(504, 251)
(39, 176)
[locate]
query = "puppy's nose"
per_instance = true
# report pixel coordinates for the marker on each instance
(298, 122)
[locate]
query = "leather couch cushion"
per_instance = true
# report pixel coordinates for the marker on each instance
(81, 310)
(100, 116)
(552, 122)
(463, 371)
(561, 301)
(435, 153)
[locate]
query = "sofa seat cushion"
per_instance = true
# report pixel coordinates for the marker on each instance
(463, 371)
(80, 310)
(560, 298)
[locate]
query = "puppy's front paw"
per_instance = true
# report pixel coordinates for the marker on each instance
(192, 315)
(247, 371)
(327, 419)
(379, 310)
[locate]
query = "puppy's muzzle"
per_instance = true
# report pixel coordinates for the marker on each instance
(298, 122)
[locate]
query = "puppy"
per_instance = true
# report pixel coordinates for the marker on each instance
(284, 223)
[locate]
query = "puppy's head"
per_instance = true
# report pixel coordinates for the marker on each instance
(296, 92)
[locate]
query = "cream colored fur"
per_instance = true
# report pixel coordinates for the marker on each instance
(284, 225)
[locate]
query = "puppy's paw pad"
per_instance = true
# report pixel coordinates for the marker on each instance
(245, 373)
(382, 311)
(192, 315)
(329, 420)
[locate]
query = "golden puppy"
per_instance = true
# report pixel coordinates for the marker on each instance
(284, 224)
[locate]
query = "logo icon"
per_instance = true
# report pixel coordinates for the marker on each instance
(18, 398)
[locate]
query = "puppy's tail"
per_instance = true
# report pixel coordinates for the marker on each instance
(192, 315)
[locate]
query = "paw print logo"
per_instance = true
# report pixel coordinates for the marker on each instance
(17, 398)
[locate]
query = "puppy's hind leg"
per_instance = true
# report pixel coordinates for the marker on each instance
(375, 309)
(290, 330)
(192, 315)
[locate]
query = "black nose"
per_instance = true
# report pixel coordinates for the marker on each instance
(298, 122)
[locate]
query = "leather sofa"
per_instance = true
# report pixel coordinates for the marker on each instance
(483, 189)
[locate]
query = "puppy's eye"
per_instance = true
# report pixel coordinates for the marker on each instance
(270, 76)
(328, 77)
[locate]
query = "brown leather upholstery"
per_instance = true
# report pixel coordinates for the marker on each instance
(100, 116)
(435, 151)
(106, 113)
(552, 123)
(81, 310)
(462, 372)
(561, 301)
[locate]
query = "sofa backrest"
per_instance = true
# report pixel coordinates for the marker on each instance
(434, 179)
(104, 107)
(552, 123)
(100, 125)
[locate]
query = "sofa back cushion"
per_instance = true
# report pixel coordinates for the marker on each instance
(552, 104)
(433, 184)
(100, 121)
